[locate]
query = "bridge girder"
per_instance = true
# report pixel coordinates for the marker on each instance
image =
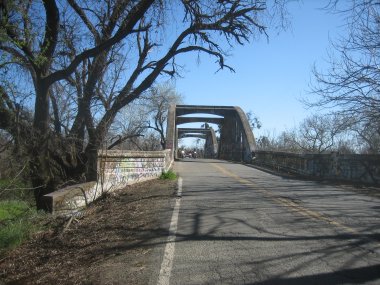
(185, 120)
(202, 109)
(199, 136)
(193, 130)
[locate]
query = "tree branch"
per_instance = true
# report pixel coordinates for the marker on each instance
(133, 17)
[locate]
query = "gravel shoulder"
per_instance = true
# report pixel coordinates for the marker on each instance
(118, 240)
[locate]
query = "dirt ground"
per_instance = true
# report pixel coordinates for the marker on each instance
(116, 241)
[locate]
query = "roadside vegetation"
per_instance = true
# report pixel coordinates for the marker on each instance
(16, 224)
(118, 232)
(18, 216)
(168, 175)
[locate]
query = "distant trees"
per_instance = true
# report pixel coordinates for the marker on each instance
(315, 134)
(318, 133)
(158, 101)
(351, 86)
(128, 127)
(67, 68)
(145, 119)
(349, 90)
(253, 120)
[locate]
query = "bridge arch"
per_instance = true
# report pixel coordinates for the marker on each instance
(211, 144)
(236, 143)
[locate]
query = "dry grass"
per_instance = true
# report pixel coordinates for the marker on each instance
(110, 243)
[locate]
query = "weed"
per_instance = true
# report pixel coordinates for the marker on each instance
(169, 175)
(15, 190)
(18, 221)
(13, 234)
(10, 210)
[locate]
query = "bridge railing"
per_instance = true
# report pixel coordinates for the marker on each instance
(116, 169)
(333, 166)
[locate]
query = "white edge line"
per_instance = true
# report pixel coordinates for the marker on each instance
(167, 261)
(179, 192)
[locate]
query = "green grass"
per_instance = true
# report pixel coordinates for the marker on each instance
(17, 222)
(13, 235)
(18, 216)
(5, 183)
(168, 175)
(15, 190)
(10, 210)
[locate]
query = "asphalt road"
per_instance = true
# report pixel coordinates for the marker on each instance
(239, 225)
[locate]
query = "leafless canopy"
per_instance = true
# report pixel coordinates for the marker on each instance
(351, 86)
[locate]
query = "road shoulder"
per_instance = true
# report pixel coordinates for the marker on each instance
(119, 238)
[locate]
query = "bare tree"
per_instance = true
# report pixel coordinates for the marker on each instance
(265, 142)
(351, 87)
(315, 134)
(253, 120)
(148, 113)
(318, 133)
(369, 137)
(150, 141)
(75, 47)
(130, 124)
(158, 99)
(287, 141)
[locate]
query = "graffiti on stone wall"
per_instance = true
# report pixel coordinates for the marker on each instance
(123, 171)
(115, 172)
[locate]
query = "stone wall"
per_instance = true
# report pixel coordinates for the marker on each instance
(341, 167)
(117, 169)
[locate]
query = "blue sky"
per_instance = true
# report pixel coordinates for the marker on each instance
(271, 76)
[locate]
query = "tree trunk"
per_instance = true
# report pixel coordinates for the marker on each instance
(39, 154)
(92, 163)
(54, 160)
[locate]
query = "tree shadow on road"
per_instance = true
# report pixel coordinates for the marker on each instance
(345, 276)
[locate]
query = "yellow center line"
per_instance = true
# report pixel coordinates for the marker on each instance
(286, 202)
